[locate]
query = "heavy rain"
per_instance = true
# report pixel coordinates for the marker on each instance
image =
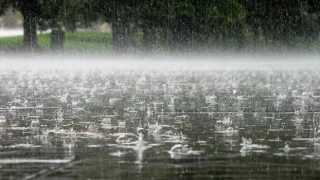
(154, 89)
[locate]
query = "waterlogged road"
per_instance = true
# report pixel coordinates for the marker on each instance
(122, 123)
(194, 151)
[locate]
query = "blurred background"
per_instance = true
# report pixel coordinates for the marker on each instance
(160, 26)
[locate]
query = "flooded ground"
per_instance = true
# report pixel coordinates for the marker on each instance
(187, 123)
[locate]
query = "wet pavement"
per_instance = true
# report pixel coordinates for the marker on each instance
(159, 125)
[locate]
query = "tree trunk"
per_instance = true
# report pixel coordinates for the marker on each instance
(186, 36)
(29, 12)
(29, 31)
(174, 37)
(119, 28)
(182, 36)
(149, 38)
(118, 36)
(57, 39)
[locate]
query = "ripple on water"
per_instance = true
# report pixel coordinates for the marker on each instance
(23, 146)
(32, 161)
(118, 153)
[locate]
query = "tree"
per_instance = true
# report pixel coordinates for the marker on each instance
(30, 11)
(63, 15)
(282, 23)
(53, 16)
(4, 4)
(311, 19)
(153, 20)
(222, 23)
(119, 13)
(182, 26)
(190, 25)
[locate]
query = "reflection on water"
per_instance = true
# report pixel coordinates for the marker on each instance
(155, 125)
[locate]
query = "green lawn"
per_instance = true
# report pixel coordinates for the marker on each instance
(75, 41)
(98, 42)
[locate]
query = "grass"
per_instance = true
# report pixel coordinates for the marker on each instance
(88, 42)
(75, 41)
